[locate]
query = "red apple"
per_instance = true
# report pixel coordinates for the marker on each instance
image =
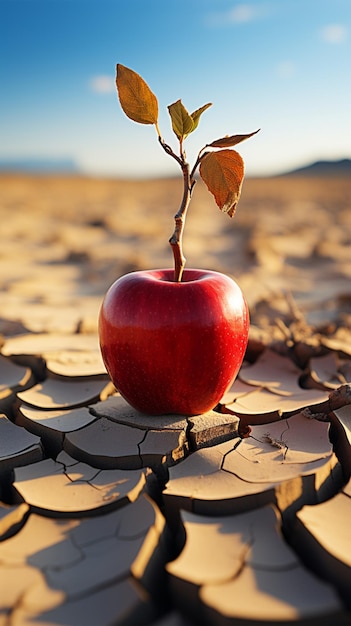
(173, 347)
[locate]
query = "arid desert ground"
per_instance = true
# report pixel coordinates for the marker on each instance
(239, 516)
(64, 240)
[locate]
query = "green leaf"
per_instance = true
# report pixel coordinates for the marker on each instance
(135, 96)
(229, 141)
(182, 122)
(223, 174)
(197, 114)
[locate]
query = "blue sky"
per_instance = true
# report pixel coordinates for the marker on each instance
(279, 65)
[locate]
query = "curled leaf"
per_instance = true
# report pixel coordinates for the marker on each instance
(223, 174)
(197, 114)
(229, 141)
(137, 100)
(182, 122)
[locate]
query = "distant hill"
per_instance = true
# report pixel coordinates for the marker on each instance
(38, 166)
(324, 168)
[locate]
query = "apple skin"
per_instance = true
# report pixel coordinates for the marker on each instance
(173, 347)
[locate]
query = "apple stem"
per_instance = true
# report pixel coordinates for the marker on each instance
(176, 240)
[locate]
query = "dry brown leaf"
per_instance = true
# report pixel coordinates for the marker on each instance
(223, 173)
(230, 140)
(137, 100)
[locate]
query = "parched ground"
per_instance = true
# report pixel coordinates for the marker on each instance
(65, 240)
(236, 517)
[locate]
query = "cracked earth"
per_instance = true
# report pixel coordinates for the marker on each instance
(109, 516)
(236, 517)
